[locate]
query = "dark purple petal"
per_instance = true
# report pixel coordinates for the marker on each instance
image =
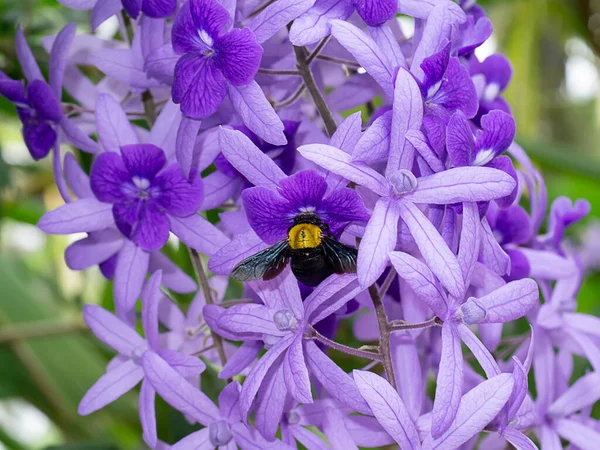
(268, 214)
(519, 265)
(496, 68)
(107, 177)
(143, 160)
(178, 196)
(13, 90)
(39, 138)
(238, 56)
(341, 207)
(199, 86)
(435, 120)
(184, 32)
(459, 141)
(143, 223)
(209, 16)
(159, 8)
(376, 12)
(303, 190)
(434, 67)
(513, 226)
(42, 99)
(132, 7)
(505, 164)
(474, 33)
(496, 135)
(457, 91)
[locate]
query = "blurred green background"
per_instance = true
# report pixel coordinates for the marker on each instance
(47, 362)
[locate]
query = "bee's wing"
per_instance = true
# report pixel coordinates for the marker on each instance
(341, 257)
(266, 264)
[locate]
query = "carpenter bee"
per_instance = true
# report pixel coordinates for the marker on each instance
(313, 252)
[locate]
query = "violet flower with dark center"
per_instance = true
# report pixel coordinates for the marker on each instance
(484, 149)
(211, 59)
(144, 193)
(151, 8)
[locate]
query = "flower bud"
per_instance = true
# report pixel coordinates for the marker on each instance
(219, 433)
(403, 182)
(472, 311)
(284, 319)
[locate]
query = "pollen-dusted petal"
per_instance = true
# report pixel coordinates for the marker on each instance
(199, 86)
(238, 56)
(376, 12)
(143, 160)
(268, 214)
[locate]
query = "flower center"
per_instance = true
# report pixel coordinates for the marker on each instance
(284, 320)
(403, 182)
(142, 185)
(219, 433)
(483, 157)
(207, 42)
(293, 417)
(471, 312)
(137, 353)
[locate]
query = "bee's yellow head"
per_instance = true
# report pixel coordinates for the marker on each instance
(304, 235)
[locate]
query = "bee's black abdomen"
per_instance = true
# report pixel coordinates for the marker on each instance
(310, 266)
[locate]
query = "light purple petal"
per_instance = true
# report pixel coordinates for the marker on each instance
(177, 391)
(386, 40)
(583, 393)
(436, 35)
(248, 438)
(478, 408)
(198, 233)
(111, 330)
(132, 265)
(379, 239)
(337, 382)
(151, 295)
(188, 366)
(549, 439)
(518, 439)
(242, 246)
(407, 114)
(93, 250)
(435, 251)
(388, 408)
(296, 373)
(548, 265)
(366, 52)
(462, 184)
(172, 276)
(577, 433)
(419, 142)
(421, 280)
(245, 355)
(511, 302)
(256, 112)
(270, 401)
(29, 66)
(470, 240)
(83, 215)
(218, 188)
(186, 140)
(315, 23)
(250, 318)
(492, 255)
(449, 382)
(200, 440)
(407, 369)
(348, 133)
(258, 372)
(481, 353)
(59, 58)
(367, 432)
(77, 137)
(110, 387)
(332, 290)
(276, 16)
(148, 413)
(255, 165)
(103, 10)
(114, 129)
(335, 430)
(374, 144)
(339, 162)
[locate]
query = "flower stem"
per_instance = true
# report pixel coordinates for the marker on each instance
(317, 50)
(387, 282)
(343, 62)
(403, 326)
(292, 99)
(311, 85)
(278, 72)
(384, 335)
(203, 282)
(314, 334)
(40, 329)
(149, 107)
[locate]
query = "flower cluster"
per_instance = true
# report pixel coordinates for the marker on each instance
(220, 105)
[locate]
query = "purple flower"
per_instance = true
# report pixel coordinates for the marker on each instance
(38, 104)
(125, 371)
(144, 193)
(484, 149)
(223, 424)
(212, 58)
(315, 23)
(491, 77)
(281, 323)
